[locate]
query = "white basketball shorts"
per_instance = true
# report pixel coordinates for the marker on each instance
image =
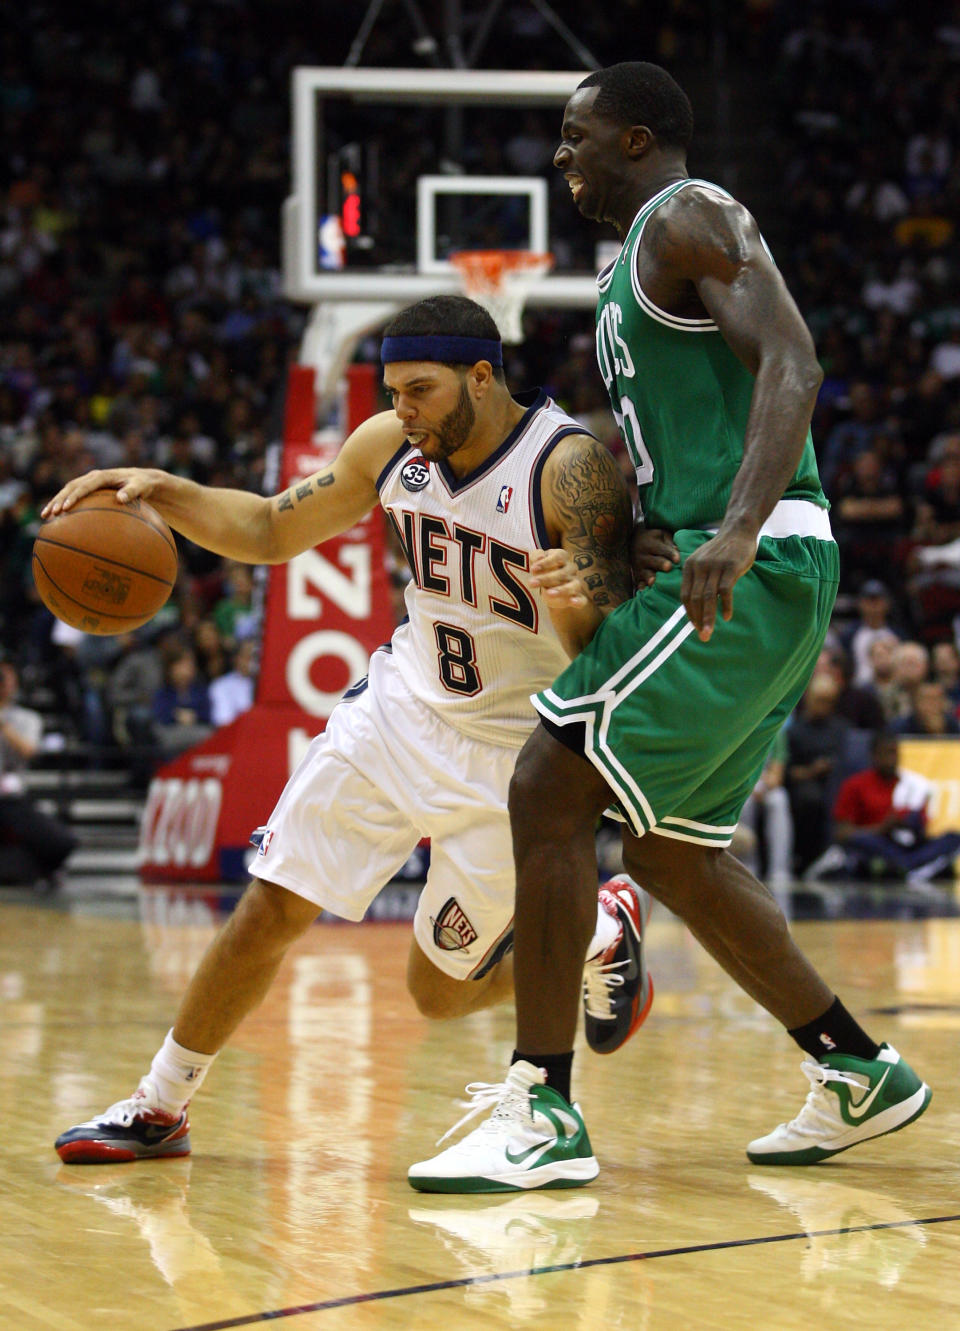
(385, 773)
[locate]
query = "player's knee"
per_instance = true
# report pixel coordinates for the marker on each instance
(551, 786)
(436, 1002)
(526, 783)
(673, 872)
(271, 914)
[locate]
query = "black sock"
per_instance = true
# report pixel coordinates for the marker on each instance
(835, 1032)
(556, 1066)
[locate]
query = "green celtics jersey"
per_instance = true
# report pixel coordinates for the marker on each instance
(680, 396)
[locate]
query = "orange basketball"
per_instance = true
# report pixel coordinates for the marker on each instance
(105, 567)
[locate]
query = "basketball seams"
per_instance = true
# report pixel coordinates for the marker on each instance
(127, 513)
(88, 609)
(101, 575)
(43, 539)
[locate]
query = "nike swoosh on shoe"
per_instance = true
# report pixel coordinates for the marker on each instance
(858, 1110)
(533, 1153)
(570, 1127)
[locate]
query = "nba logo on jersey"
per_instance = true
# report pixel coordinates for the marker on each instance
(265, 843)
(506, 494)
(451, 929)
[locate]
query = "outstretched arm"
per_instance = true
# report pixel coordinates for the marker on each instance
(248, 527)
(589, 517)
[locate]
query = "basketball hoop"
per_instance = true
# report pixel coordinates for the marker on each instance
(500, 280)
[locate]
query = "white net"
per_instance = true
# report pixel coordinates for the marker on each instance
(500, 281)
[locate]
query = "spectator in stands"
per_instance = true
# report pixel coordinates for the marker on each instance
(873, 621)
(911, 666)
(133, 681)
(880, 824)
(945, 357)
(883, 666)
(858, 703)
(816, 738)
(234, 614)
(927, 161)
(926, 227)
(934, 586)
(767, 816)
(945, 659)
(932, 714)
(938, 510)
(33, 845)
(233, 692)
(212, 658)
(892, 286)
(129, 691)
(870, 517)
(875, 196)
(853, 436)
(181, 706)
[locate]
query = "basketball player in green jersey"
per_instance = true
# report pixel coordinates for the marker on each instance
(668, 714)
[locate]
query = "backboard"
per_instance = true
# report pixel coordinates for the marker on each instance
(395, 169)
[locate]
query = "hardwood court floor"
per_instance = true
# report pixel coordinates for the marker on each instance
(294, 1206)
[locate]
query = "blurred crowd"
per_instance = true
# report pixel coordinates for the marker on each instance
(868, 150)
(143, 165)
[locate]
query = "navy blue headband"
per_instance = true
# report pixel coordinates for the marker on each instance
(439, 347)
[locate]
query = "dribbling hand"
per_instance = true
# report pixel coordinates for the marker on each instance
(129, 483)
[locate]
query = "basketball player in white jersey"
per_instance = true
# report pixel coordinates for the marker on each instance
(515, 523)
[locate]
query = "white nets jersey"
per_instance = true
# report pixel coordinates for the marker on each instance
(478, 639)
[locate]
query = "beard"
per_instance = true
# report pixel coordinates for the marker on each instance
(454, 430)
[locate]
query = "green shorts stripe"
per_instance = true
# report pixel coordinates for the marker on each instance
(597, 711)
(679, 728)
(720, 840)
(686, 829)
(632, 673)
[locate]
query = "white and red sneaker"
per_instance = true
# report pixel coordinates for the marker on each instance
(132, 1129)
(617, 990)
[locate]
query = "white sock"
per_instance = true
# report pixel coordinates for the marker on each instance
(176, 1074)
(608, 926)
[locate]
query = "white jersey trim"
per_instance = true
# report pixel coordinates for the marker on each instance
(654, 311)
(662, 316)
(605, 276)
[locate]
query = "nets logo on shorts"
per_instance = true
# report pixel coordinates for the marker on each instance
(452, 931)
(415, 474)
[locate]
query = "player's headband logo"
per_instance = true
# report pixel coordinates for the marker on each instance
(443, 349)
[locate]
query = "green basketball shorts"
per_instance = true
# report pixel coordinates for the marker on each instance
(680, 728)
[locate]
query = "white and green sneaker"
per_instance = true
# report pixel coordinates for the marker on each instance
(850, 1101)
(532, 1139)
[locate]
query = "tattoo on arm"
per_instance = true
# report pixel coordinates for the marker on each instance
(302, 491)
(590, 498)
